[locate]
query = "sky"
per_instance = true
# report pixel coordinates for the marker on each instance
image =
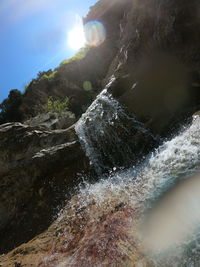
(34, 37)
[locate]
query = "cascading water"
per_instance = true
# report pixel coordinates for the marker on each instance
(143, 185)
(106, 133)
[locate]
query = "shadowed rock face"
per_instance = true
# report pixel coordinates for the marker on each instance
(158, 65)
(37, 170)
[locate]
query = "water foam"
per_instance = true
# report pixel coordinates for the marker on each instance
(175, 159)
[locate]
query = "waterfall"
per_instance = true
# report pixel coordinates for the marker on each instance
(142, 185)
(107, 134)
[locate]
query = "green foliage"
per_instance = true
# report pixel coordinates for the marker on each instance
(81, 54)
(49, 76)
(57, 105)
(42, 73)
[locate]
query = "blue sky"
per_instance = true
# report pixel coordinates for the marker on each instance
(34, 37)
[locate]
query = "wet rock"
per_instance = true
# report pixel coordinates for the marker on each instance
(196, 113)
(112, 138)
(92, 236)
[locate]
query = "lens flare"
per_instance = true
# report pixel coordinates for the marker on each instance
(95, 33)
(87, 86)
(92, 33)
(76, 36)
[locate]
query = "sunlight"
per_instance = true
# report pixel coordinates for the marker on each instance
(92, 33)
(76, 37)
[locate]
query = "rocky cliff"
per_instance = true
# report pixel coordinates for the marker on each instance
(152, 53)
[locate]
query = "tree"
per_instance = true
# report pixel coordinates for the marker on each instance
(10, 107)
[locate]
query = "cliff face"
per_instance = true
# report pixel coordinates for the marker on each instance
(158, 64)
(152, 49)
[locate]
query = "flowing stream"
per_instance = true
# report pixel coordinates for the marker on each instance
(143, 185)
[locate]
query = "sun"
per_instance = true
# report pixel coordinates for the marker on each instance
(76, 38)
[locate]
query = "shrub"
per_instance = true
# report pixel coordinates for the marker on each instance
(49, 76)
(81, 54)
(42, 73)
(57, 105)
(26, 86)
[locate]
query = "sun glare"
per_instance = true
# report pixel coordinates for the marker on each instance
(76, 38)
(92, 33)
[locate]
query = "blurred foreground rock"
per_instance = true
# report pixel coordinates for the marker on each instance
(94, 235)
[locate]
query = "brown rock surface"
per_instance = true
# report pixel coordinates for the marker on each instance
(94, 235)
